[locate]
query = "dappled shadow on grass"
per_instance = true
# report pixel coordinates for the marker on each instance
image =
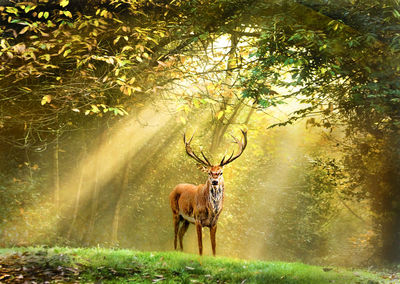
(45, 266)
(39, 267)
(121, 266)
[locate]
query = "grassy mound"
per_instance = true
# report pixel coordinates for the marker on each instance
(19, 265)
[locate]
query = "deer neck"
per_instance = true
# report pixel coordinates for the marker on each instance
(215, 195)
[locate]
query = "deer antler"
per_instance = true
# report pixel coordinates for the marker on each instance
(190, 152)
(242, 146)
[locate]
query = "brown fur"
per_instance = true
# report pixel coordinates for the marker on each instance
(202, 204)
(193, 201)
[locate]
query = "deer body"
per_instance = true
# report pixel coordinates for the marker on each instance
(200, 205)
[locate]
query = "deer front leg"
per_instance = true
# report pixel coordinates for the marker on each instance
(199, 237)
(213, 231)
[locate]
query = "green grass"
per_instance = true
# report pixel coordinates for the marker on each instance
(126, 266)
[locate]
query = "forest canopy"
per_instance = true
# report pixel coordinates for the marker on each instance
(95, 97)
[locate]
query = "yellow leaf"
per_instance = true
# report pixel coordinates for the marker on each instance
(46, 99)
(95, 109)
(116, 40)
(220, 114)
(183, 120)
(64, 3)
(196, 103)
(68, 14)
(67, 52)
(26, 89)
(335, 27)
(3, 43)
(24, 30)
(47, 57)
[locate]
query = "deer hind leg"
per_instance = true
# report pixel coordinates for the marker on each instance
(176, 219)
(213, 230)
(199, 237)
(182, 232)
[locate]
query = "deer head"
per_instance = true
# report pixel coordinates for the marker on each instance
(215, 171)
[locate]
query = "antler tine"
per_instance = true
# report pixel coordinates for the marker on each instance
(190, 152)
(242, 144)
(205, 158)
(184, 138)
(222, 162)
(235, 140)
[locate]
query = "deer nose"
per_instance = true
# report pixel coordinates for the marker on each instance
(214, 182)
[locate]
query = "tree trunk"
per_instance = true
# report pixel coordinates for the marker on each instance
(389, 223)
(390, 229)
(79, 189)
(221, 127)
(122, 189)
(94, 204)
(385, 195)
(251, 112)
(57, 174)
(95, 191)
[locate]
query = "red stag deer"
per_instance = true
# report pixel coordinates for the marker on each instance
(201, 204)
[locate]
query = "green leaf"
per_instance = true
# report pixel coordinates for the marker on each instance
(28, 8)
(68, 51)
(396, 13)
(12, 10)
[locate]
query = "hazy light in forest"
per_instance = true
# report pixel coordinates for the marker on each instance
(121, 143)
(102, 163)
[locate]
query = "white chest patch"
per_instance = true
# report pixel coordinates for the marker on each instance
(215, 198)
(186, 217)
